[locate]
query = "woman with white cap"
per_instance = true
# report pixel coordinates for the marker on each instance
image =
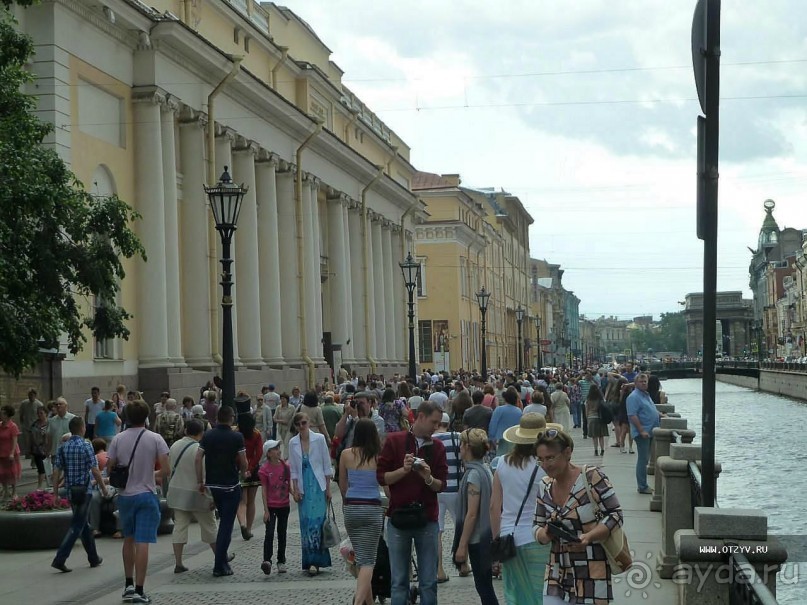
(512, 504)
(275, 477)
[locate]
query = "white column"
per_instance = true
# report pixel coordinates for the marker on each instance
(378, 292)
(348, 349)
(358, 298)
(287, 242)
(195, 252)
(314, 291)
(246, 259)
(389, 293)
(399, 294)
(224, 157)
(269, 260)
(340, 279)
(173, 302)
(152, 320)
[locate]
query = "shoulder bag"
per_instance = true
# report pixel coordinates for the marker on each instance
(176, 466)
(119, 474)
(616, 544)
(330, 530)
(503, 548)
(412, 515)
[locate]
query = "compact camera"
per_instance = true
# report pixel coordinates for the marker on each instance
(418, 463)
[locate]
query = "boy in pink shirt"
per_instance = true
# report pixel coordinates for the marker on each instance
(275, 477)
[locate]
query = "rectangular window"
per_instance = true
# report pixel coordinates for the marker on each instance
(425, 341)
(104, 347)
(101, 114)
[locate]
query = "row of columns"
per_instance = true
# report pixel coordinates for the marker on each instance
(178, 305)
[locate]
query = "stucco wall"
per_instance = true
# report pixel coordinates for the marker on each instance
(790, 384)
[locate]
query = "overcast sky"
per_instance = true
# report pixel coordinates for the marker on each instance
(586, 110)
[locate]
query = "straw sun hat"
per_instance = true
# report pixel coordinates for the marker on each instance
(528, 429)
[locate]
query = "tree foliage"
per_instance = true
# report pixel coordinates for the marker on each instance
(59, 245)
(670, 335)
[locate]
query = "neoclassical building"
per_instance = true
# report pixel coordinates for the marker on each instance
(150, 102)
(469, 238)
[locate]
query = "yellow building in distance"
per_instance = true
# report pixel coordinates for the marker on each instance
(470, 238)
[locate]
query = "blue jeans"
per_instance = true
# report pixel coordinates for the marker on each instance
(643, 453)
(400, 553)
(79, 528)
(576, 413)
(227, 504)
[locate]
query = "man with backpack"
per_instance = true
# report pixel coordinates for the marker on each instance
(169, 424)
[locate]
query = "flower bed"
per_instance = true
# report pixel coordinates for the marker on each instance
(36, 521)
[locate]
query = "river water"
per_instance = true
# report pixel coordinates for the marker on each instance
(759, 440)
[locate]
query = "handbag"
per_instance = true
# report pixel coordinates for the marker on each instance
(119, 474)
(330, 530)
(410, 516)
(615, 545)
(503, 548)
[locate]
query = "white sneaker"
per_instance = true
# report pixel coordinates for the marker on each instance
(128, 594)
(281, 568)
(622, 450)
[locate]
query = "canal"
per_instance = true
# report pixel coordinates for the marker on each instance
(759, 439)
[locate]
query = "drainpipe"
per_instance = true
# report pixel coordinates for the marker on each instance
(211, 120)
(284, 50)
(211, 181)
(298, 202)
(365, 235)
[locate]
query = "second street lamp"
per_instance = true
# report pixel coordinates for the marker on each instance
(538, 341)
(520, 353)
(483, 296)
(225, 202)
(411, 274)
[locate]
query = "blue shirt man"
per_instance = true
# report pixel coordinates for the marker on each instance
(504, 416)
(643, 418)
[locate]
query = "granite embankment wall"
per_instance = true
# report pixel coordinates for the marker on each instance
(778, 382)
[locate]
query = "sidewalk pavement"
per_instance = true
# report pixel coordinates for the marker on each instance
(30, 579)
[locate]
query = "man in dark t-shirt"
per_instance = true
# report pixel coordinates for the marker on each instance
(223, 454)
(477, 416)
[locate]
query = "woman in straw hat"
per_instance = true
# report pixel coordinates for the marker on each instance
(515, 484)
(579, 571)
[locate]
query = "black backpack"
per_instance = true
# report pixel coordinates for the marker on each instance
(605, 412)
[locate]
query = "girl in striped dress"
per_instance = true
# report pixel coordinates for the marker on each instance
(364, 516)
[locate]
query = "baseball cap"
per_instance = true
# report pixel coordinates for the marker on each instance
(445, 419)
(270, 445)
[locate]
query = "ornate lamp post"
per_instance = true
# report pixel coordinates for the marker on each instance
(482, 297)
(411, 274)
(538, 340)
(520, 353)
(225, 202)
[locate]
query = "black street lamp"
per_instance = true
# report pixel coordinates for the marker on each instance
(225, 202)
(482, 297)
(411, 274)
(538, 341)
(520, 353)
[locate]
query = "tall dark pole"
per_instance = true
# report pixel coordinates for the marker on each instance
(411, 274)
(520, 351)
(225, 201)
(412, 360)
(538, 341)
(706, 63)
(484, 312)
(227, 355)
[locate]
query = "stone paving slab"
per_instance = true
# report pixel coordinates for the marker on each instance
(28, 578)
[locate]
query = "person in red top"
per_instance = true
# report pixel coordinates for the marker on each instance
(415, 469)
(251, 482)
(275, 477)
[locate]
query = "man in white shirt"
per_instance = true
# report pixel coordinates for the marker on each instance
(271, 399)
(92, 407)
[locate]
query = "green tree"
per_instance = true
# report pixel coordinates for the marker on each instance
(59, 245)
(674, 331)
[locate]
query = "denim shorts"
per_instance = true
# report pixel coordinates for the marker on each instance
(140, 517)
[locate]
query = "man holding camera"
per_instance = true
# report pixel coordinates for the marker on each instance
(415, 469)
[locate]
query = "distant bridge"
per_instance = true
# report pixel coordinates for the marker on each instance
(692, 369)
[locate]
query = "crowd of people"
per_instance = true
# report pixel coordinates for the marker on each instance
(493, 452)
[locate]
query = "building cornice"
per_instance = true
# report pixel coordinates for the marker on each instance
(125, 15)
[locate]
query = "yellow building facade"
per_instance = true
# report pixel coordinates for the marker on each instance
(329, 213)
(467, 239)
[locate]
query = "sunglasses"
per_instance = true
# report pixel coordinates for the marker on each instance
(549, 433)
